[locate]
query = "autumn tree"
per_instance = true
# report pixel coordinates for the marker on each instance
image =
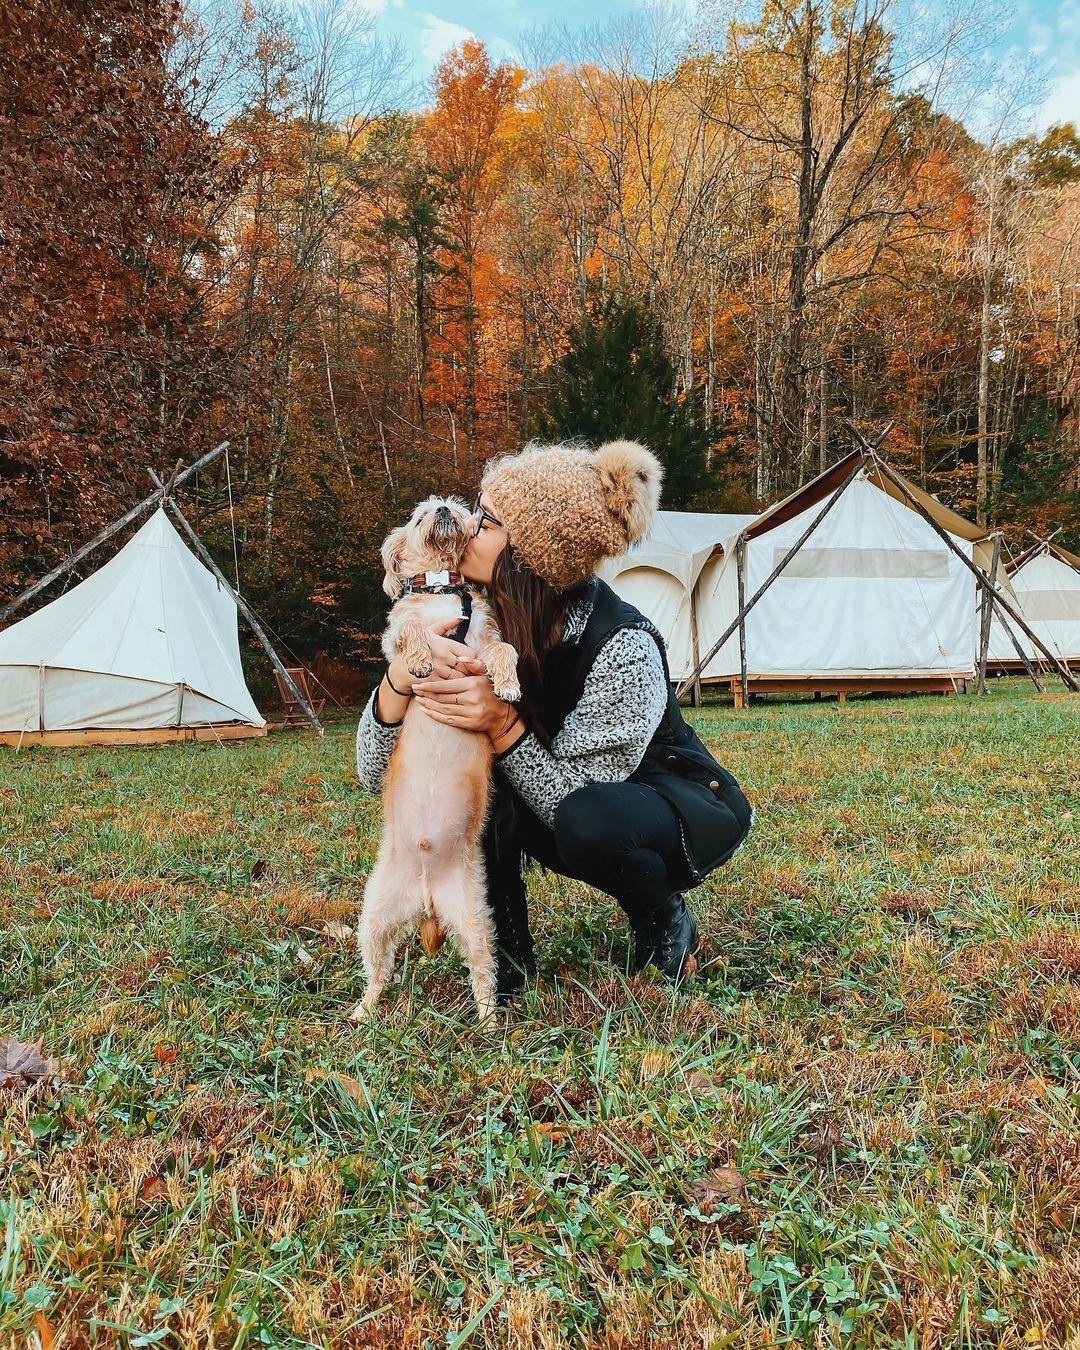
(468, 134)
(106, 364)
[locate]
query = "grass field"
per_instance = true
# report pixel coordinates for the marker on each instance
(861, 1128)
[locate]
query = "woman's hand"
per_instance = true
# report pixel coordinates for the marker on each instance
(465, 701)
(448, 658)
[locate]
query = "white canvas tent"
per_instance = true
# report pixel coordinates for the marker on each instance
(1046, 582)
(873, 598)
(660, 575)
(144, 649)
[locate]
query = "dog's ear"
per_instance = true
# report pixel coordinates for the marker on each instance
(393, 552)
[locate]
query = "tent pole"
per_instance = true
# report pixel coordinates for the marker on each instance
(107, 533)
(695, 697)
(1018, 648)
(745, 610)
(986, 610)
(740, 572)
(980, 577)
(242, 606)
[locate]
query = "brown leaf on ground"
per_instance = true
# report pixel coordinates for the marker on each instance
(166, 1054)
(824, 1141)
(24, 1065)
(337, 931)
(45, 1333)
(153, 1187)
(720, 1186)
(258, 868)
(702, 1084)
(350, 1086)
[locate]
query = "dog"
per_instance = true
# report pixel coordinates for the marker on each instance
(429, 873)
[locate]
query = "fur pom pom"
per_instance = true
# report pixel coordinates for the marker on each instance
(630, 478)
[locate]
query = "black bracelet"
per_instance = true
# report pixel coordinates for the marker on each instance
(394, 687)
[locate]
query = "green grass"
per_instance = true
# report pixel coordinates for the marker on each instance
(884, 1049)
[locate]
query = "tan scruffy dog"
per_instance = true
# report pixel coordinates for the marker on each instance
(430, 870)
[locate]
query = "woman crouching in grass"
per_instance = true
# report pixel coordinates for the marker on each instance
(597, 775)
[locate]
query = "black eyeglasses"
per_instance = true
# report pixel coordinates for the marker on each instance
(483, 514)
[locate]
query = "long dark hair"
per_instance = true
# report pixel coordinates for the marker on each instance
(531, 616)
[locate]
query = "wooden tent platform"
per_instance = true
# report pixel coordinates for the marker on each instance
(120, 736)
(841, 686)
(1016, 666)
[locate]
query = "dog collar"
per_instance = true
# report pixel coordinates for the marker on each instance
(434, 581)
(445, 583)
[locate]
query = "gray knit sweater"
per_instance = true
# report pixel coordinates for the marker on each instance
(602, 739)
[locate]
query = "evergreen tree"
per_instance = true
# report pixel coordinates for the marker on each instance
(617, 381)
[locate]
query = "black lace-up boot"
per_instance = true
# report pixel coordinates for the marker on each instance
(668, 938)
(514, 963)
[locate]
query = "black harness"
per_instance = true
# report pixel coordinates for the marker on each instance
(445, 583)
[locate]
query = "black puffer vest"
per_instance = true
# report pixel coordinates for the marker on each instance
(714, 816)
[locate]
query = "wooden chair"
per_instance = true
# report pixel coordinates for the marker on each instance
(294, 713)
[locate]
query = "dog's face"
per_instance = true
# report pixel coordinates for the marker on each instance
(433, 540)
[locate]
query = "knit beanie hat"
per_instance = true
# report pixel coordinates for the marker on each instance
(567, 508)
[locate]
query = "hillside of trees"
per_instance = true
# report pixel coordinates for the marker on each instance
(228, 224)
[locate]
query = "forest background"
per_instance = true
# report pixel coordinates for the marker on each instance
(720, 231)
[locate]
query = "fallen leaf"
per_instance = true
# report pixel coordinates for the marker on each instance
(166, 1054)
(350, 1086)
(24, 1065)
(44, 1331)
(552, 1129)
(721, 1186)
(338, 931)
(257, 869)
(153, 1187)
(824, 1141)
(312, 778)
(703, 1084)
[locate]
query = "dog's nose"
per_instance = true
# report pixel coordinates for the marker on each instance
(444, 513)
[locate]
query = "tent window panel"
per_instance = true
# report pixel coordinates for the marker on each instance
(1051, 605)
(923, 564)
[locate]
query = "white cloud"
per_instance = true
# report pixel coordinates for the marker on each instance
(1062, 102)
(437, 36)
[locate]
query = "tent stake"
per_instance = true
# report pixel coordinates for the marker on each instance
(980, 577)
(244, 609)
(986, 610)
(745, 610)
(107, 533)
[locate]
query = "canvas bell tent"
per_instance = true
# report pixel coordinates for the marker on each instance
(660, 575)
(1046, 582)
(858, 590)
(144, 649)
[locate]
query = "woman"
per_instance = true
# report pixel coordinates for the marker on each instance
(597, 775)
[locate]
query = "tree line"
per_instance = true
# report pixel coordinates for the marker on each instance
(724, 239)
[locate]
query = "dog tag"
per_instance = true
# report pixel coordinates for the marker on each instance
(438, 578)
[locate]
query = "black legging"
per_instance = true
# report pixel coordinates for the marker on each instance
(622, 838)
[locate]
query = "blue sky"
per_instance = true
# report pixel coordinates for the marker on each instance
(1043, 32)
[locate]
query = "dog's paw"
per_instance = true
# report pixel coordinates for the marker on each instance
(420, 667)
(363, 1012)
(501, 661)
